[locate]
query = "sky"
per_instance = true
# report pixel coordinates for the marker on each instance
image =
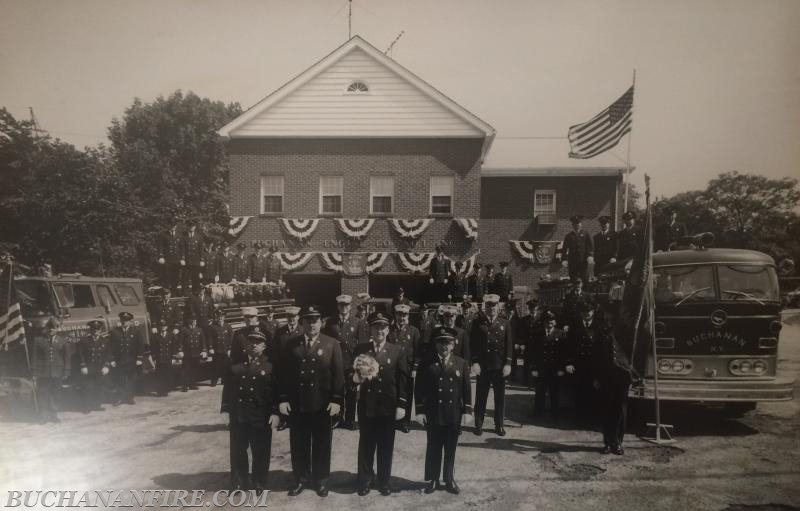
(717, 81)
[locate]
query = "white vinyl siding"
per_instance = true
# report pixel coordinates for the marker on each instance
(442, 194)
(381, 194)
(330, 194)
(271, 194)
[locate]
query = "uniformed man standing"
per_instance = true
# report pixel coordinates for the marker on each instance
(170, 257)
(438, 276)
(291, 329)
(164, 346)
(253, 412)
(382, 401)
(547, 360)
(311, 382)
(224, 265)
(581, 339)
(490, 286)
(268, 322)
(194, 252)
(167, 310)
(569, 307)
(578, 249)
(477, 283)
(406, 336)
(202, 308)
(51, 364)
(241, 265)
(503, 284)
(350, 332)
(458, 283)
(605, 244)
(461, 348)
(193, 352)
(274, 266)
(128, 350)
(670, 233)
(630, 236)
(259, 263)
(93, 355)
(443, 401)
(491, 346)
(220, 342)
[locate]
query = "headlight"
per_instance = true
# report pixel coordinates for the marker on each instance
(677, 366)
(745, 366)
(664, 366)
(759, 367)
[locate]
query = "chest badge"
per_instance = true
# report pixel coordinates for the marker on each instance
(319, 352)
(388, 360)
(458, 373)
(501, 328)
(263, 373)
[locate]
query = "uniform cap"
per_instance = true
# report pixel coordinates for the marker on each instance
(491, 298)
(605, 219)
(533, 302)
(577, 280)
(669, 210)
(584, 305)
(249, 311)
(378, 318)
(219, 312)
(402, 308)
(310, 311)
(125, 316)
(97, 324)
(576, 219)
(444, 334)
(549, 315)
(346, 299)
(629, 214)
(363, 297)
(449, 310)
(292, 310)
(256, 336)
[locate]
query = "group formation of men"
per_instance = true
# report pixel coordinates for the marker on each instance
(446, 285)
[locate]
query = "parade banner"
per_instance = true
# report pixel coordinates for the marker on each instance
(538, 252)
(332, 260)
(415, 262)
(299, 228)
(237, 224)
(291, 261)
(355, 228)
(469, 226)
(375, 260)
(354, 263)
(410, 228)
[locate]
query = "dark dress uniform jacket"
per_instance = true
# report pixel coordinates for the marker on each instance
(241, 268)
(577, 247)
(127, 346)
(459, 286)
(548, 353)
(477, 285)
(164, 345)
(609, 360)
(408, 339)
(350, 333)
(629, 240)
(581, 343)
(172, 247)
(503, 285)
(93, 353)
(221, 338)
(168, 311)
(52, 356)
(438, 270)
(252, 392)
(605, 248)
(274, 269)
(443, 391)
(491, 344)
(667, 234)
(312, 378)
(194, 248)
(284, 333)
(569, 310)
(224, 266)
(380, 396)
(258, 267)
(202, 308)
(193, 342)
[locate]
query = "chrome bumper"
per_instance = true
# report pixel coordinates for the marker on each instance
(778, 389)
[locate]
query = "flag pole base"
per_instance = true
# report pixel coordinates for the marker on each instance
(659, 434)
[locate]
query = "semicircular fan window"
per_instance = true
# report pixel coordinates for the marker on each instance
(358, 87)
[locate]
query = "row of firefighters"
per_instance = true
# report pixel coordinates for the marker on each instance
(363, 374)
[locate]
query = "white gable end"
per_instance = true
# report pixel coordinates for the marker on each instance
(317, 103)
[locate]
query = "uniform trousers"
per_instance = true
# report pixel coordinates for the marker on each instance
(578, 270)
(546, 383)
(171, 276)
(441, 438)
(125, 380)
(490, 378)
(585, 401)
(46, 390)
(310, 436)
(614, 405)
(350, 401)
(245, 433)
(376, 434)
(409, 392)
(92, 391)
(220, 368)
(165, 378)
(189, 372)
(191, 275)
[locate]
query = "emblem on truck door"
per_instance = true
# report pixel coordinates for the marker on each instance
(719, 317)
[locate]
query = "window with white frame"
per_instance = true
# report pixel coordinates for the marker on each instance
(330, 194)
(272, 194)
(442, 194)
(381, 194)
(544, 206)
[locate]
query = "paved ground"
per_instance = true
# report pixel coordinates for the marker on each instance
(180, 442)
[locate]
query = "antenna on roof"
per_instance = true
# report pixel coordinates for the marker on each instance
(391, 46)
(349, 19)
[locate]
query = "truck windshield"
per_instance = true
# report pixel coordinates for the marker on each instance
(748, 282)
(679, 284)
(34, 297)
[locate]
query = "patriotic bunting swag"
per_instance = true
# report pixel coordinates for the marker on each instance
(415, 262)
(355, 228)
(467, 265)
(332, 260)
(410, 228)
(291, 261)
(469, 226)
(375, 260)
(237, 224)
(538, 252)
(300, 228)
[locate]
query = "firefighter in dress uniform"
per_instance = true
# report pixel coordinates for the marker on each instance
(252, 409)
(670, 233)
(382, 401)
(238, 349)
(170, 258)
(274, 267)
(503, 284)
(220, 343)
(406, 336)
(606, 244)
(128, 351)
(477, 283)
(491, 347)
(443, 402)
(291, 329)
(268, 322)
(490, 286)
(449, 316)
(258, 263)
(350, 332)
(458, 283)
(312, 385)
(194, 257)
(52, 361)
(164, 346)
(581, 339)
(202, 308)
(530, 324)
(193, 352)
(438, 276)
(167, 310)
(569, 307)
(241, 265)
(93, 355)
(630, 236)
(224, 265)
(547, 362)
(578, 250)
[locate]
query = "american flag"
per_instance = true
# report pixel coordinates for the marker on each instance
(604, 130)
(11, 328)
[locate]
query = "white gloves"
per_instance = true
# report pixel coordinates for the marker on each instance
(467, 418)
(113, 364)
(176, 331)
(566, 328)
(216, 278)
(535, 374)
(202, 263)
(399, 413)
(84, 371)
(161, 260)
(413, 374)
(506, 370)
(104, 371)
(211, 351)
(203, 354)
(570, 369)
(564, 264)
(590, 259)
(274, 420)
(476, 369)
(560, 373)
(612, 260)
(180, 354)
(445, 281)
(183, 262)
(154, 330)
(421, 418)
(138, 362)
(334, 409)
(284, 408)
(430, 280)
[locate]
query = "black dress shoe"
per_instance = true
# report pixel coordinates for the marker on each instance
(500, 431)
(452, 487)
(606, 450)
(618, 450)
(386, 491)
(363, 491)
(478, 430)
(322, 491)
(297, 490)
(431, 486)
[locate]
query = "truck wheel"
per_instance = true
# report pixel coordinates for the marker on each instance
(737, 409)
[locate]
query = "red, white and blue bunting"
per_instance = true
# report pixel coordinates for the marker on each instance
(237, 224)
(332, 260)
(291, 261)
(355, 228)
(538, 252)
(415, 262)
(469, 226)
(410, 228)
(300, 228)
(375, 260)
(467, 266)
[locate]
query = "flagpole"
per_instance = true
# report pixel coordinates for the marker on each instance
(24, 339)
(628, 160)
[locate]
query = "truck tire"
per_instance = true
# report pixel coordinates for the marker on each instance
(738, 409)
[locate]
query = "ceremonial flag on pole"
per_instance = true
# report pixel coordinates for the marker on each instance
(604, 130)
(11, 327)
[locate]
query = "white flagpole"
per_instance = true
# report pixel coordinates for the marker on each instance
(628, 160)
